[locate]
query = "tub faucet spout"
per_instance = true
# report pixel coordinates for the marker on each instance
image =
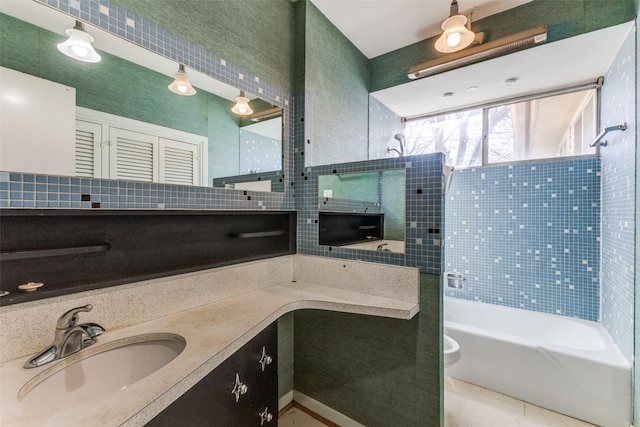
(381, 247)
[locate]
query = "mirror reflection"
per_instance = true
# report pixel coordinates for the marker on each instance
(363, 210)
(117, 119)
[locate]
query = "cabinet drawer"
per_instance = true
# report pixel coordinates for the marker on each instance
(211, 402)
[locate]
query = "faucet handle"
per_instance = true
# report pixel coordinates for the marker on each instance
(70, 318)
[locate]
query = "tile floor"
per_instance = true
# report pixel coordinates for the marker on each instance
(467, 405)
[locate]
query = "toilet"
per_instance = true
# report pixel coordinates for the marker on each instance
(451, 351)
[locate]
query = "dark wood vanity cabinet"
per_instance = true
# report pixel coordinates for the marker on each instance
(212, 402)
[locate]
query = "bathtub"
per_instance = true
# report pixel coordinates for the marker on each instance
(566, 365)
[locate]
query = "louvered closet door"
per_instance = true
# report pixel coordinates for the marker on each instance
(88, 149)
(134, 156)
(179, 162)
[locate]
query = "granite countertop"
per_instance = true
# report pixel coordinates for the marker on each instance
(212, 332)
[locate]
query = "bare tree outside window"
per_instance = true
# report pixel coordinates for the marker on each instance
(554, 126)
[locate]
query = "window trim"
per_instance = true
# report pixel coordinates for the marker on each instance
(597, 85)
(521, 98)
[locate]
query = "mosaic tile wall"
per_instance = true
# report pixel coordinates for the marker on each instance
(40, 191)
(618, 105)
(423, 207)
(18, 190)
(527, 236)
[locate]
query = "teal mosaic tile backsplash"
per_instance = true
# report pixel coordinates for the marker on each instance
(527, 236)
(619, 207)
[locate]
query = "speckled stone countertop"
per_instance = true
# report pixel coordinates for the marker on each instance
(212, 331)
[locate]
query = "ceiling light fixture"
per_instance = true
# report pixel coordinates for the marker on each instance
(242, 107)
(457, 33)
(181, 85)
(478, 53)
(78, 45)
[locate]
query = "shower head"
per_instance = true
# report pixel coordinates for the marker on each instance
(400, 138)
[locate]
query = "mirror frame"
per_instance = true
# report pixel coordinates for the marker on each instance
(357, 213)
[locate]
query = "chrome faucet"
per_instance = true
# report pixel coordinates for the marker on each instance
(70, 337)
(381, 247)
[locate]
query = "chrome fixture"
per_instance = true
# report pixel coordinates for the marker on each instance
(457, 31)
(78, 45)
(599, 142)
(239, 388)
(381, 247)
(181, 84)
(265, 359)
(242, 107)
(265, 416)
(400, 138)
(455, 280)
(478, 53)
(70, 337)
(266, 114)
(448, 177)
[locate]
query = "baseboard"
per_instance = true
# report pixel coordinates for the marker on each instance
(323, 410)
(285, 401)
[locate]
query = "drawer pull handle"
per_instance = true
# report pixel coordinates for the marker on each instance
(265, 359)
(239, 388)
(265, 416)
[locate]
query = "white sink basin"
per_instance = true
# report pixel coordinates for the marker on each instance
(100, 370)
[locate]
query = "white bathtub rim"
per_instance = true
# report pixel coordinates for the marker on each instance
(610, 356)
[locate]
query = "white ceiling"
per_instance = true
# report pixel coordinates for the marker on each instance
(548, 66)
(376, 27)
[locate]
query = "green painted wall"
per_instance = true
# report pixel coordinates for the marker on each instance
(224, 140)
(563, 19)
(363, 186)
(377, 371)
(285, 354)
(255, 35)
(336, 76)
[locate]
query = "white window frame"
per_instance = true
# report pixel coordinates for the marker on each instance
(568, 136)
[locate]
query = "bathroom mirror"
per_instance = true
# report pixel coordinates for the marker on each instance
(128, 91)
(354, 200)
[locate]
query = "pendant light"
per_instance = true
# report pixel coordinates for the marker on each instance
(181, 85)
(78, 45)
(456, 35)
(242, 107)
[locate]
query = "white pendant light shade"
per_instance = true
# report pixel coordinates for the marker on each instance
(456, 36)
(181, 84)
(78, 45)
(242, 107)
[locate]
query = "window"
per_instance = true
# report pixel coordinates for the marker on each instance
(538, 128)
